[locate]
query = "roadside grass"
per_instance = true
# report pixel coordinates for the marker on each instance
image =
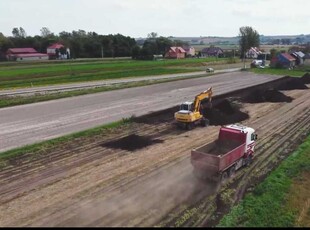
(297, 72)
(39, 148)
(68, 72)
(6, 101)
(63, 79)
(275, 202)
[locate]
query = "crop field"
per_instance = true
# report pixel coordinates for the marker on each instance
(139, 173)
(51, 73)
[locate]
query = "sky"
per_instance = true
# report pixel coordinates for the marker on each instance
(138, 18)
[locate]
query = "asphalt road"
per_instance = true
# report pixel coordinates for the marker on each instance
(28, 124)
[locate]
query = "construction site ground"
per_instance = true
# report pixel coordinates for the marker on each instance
(141, 175)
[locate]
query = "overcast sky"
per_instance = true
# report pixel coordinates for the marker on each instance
(137, 18)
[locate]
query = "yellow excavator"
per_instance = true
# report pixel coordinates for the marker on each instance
(191, 113)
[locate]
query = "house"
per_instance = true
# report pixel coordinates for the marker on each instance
(212, 52)
(283, 60)
(58, 51)
(190, 51)
(300, 57)
(253, 52)
(24, 54)
(175, 52)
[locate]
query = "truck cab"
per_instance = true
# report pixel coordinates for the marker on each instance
(250, 136)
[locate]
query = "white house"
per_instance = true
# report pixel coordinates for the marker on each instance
(253, 52)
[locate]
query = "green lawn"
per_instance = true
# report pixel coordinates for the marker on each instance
(297, 72)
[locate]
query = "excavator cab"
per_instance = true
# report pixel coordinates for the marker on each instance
(187, 106)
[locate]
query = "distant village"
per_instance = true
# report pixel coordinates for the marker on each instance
(290, 59)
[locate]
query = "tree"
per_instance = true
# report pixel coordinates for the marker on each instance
(15, 32)
(152, 35)
(19, 33)
(248, 38)
(22, 32)
(45, 32)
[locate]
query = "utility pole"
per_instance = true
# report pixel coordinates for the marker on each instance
(244, 60)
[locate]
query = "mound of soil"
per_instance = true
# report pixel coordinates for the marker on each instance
(131, 142)
(270, 95)
(294, 83)
(306, 78)
(225, 113)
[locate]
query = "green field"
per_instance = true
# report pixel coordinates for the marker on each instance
(51, 73)
(282, 200)
(297, 72)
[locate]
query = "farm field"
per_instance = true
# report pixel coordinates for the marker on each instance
(140, 174)
(51, 73)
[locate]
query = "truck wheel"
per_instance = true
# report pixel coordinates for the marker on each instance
(248, 160)
(224, 176)
(232, 171)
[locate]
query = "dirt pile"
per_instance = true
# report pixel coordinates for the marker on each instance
(294, 83)
(226, 112)
(269, 95)
(131, 142)
(306, 78)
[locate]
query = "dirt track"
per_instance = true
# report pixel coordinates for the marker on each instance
(141, 175)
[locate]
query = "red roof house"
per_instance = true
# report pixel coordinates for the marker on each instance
(175, 52)
(24, 54)
(53, 50)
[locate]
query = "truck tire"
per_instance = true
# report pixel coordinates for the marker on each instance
(232, 171)
(224, 176)
(248, 160)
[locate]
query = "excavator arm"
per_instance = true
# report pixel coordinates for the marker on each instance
(205, 94)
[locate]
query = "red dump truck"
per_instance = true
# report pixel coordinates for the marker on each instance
(219, 159)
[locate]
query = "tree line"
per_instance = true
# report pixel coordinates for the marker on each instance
(84, 44)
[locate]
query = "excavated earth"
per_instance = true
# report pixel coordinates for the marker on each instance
(140, 174)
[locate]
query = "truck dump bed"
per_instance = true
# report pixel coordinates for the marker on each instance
(217, 156)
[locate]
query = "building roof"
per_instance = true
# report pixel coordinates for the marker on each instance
(211, 50)
(30, 55)
(175, 48)
(56, 46)
(188, 48)
(299, 54)
(21, 50)
(288, 56)
(255, 50)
